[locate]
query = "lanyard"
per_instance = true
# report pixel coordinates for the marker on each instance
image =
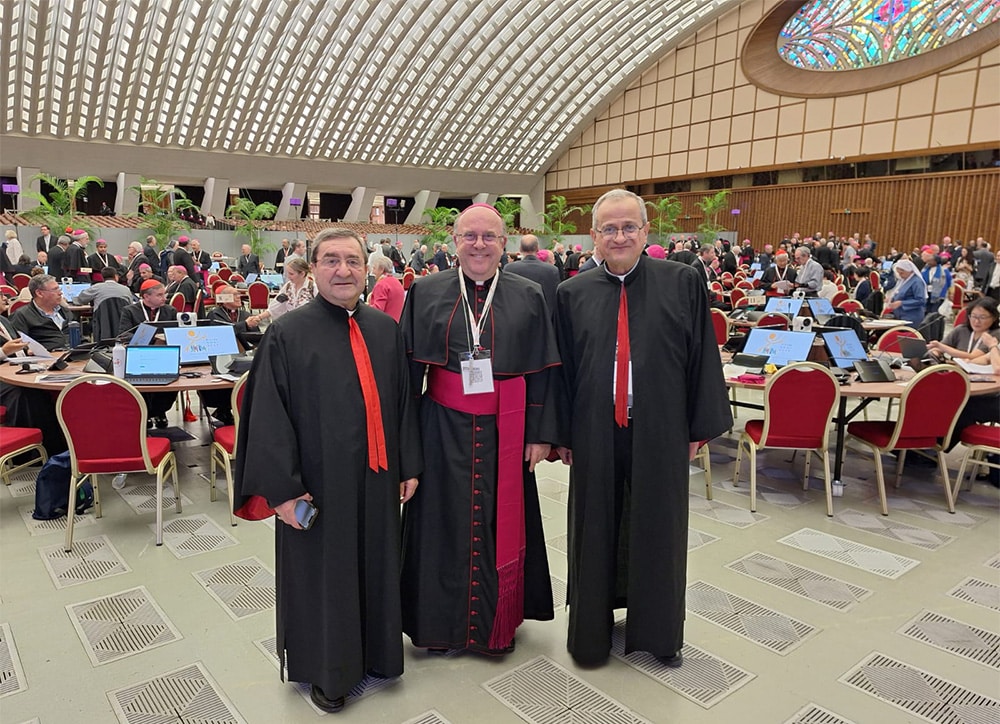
(146, 310)
(973, 341)
(476, 328)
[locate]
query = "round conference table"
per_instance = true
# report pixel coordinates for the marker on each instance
(204, 381)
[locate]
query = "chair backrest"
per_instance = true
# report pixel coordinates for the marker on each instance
(958, 295)
(236, 403)
(875, 280)
(845, 321)
(931, 327)
(773, 319)
(259, 295)
(889, 342)
(960, 317)
(177, 301)
(839, 298)
(408, 277)
(720, 322)
(736, 295)
(107, 318)
(103, 418)
(14, 306)
(799, 402)
(236, 278)
(850, 306)
(8, 291)
(225, 273)
(930, 405)
(745, 284)
(212, 279)
(20, 280)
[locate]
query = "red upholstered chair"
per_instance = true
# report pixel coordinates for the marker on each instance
(704, 456)
(979, 441)
(746, 285)
(720, 322)
(236, 279)
(104, 421)
(225, 273)
(889, 342)
(14, 306)
(957, 295)
(928, 409)
(16, 441)
(408, 277)
(736, 296)
(224, 445)
(177, 302)
(8, 291)
(851, 306)
(20, 281)
(727, 280)
(212, 279)
(839, 298)
(775, 320)
(875, 280)
(960, 317)
(259, 295)
(799, 402)
(219, 283)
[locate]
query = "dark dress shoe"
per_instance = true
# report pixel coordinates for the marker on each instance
(320, 700)
(673, 661)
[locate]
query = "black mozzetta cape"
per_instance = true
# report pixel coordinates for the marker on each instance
(679, 396)
(302, 429)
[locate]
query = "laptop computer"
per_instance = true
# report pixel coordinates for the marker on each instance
(781, 346)
(143, 335)
(149, 365)
(875, 370)
(274, 281)
(753, 363)
(912, 348)
(755, 266)
(197, 344)
(251, 278)
(784, 305)
(845, 348)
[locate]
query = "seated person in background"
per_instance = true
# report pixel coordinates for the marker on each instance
(179, 282)
(829, 289)
(41, 260)
(23, 266)
(110, 288)
(779, 277)
(45, 319)
(298, 290)
(144, 275)
(387, 294)
(229, 310)
(151, 307)
(863, 284)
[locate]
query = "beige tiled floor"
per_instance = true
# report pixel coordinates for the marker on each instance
(758, 652)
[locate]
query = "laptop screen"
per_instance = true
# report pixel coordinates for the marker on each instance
(781, 346)
(142, 361)
(819, 305)
(784, 305)
(845, 347)
(251, 278)
(757, 275)
(755, 266)
(199, 343)
(272, 280)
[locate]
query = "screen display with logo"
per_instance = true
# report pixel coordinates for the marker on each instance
(199, 343)
(845, 347)
(819, 306)
(781, 347)
(784, 305)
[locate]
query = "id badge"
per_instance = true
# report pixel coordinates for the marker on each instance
(477, 372)
(86, 270)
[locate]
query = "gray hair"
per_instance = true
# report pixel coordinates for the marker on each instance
(381, 264)
(617, 195)
(37, 282)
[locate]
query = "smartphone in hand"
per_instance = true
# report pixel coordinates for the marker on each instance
(305, 514)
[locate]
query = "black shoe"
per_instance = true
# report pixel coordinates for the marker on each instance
(673, 661)
(161, 422)
(320, 700)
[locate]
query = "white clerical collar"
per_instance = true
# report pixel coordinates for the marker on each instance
(621, 277)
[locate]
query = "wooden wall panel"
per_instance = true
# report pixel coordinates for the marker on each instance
(898, 211)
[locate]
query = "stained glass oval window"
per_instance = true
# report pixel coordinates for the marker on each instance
(832, 35)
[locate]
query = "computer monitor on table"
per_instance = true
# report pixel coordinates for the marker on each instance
(199, 343)
(781, 346)
(784, 305)
(844, 347)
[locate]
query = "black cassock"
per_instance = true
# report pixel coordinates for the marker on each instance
(679, 396)
(303, 429)
(449, 580)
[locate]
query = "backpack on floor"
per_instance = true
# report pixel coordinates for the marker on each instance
(52, 490)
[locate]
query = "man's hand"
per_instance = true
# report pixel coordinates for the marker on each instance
(13, 346)
(286, 511)
(534, 453)
(565, 454)
(253, 321)
(407, 488)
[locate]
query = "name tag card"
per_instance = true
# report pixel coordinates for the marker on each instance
(477, 372)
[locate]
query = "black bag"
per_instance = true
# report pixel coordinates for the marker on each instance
(52, 489)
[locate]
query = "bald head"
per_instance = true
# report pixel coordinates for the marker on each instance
(529, 244)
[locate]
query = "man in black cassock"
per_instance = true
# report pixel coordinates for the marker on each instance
(474, 562)
(630, 444)
(310, 431)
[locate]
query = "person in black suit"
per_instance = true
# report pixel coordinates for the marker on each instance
(182, 257)
(151, 307)
(279, 259)
(101, 259)
(201, 258)
(47, 240)
(248, 263)
(56, 256)
(531, 267)
(152, 255)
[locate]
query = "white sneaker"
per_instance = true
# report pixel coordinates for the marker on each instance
(119, 482)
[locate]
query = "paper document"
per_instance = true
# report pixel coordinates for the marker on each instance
(34, 348)
(974, 369)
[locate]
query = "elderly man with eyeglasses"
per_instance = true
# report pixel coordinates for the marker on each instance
(474, 562)
(644, 380)
(45, 320)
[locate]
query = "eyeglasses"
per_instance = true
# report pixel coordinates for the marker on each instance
(488, 238)
(981, 317)
(333, 262)
(610, 233)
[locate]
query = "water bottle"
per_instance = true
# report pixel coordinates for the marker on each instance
(118, 360)
(74, 334)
